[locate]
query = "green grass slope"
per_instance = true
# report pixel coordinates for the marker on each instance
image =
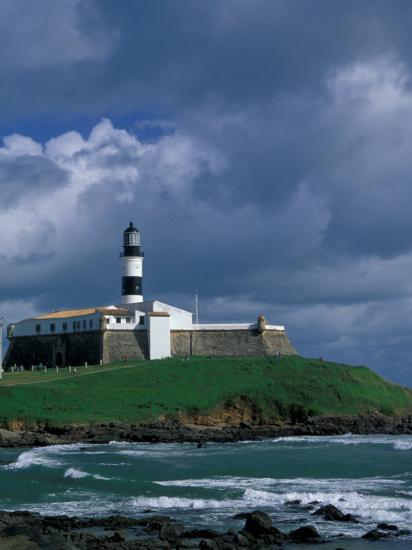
(270, 389)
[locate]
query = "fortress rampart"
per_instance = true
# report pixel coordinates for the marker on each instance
(119, 345)
(61, 349)
(230, 342)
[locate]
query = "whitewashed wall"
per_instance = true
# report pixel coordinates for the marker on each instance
(179, 318)
(28, 326)
(159, 337)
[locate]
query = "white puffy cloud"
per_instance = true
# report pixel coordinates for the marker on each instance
(78, 183)
(21, 145)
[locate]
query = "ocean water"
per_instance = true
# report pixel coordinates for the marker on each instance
(368, 476)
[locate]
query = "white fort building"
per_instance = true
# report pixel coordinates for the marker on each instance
(134, 329)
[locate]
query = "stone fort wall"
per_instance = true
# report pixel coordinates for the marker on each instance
(230, 343)
(108, 346)
(59, 349)
(120, 345)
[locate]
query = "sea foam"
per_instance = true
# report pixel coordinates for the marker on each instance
(74, 473)
(43, 456)
(327, 484)
(164, 502)
(369, 507)
(399, 443)
(35, 457)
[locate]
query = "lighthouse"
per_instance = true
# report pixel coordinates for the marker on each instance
(132, 266)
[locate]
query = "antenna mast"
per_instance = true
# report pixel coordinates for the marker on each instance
(196, 307)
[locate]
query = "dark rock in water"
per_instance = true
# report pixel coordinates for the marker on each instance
(331, 513)
(295, 502)
(15, 522)
(350, 517)
(241, 515)
(209, 545)
(375, 534)
(171, 531)
(241, 540)
(155, 523)
(222, 543)
(200, 534)
(118, 536)
(276, 537)
(307, 534)
(257, 523)
(387, 527)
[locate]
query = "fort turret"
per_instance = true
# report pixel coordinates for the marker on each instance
(132, 266)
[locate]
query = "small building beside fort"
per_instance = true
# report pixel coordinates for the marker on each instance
(134, 329)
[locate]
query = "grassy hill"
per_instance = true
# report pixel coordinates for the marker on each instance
(223, 389)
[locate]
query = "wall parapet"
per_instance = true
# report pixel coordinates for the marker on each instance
(234, 326)
(234, 342)
(121, 345)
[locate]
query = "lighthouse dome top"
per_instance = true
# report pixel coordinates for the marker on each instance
(131, 229)
(131, 241)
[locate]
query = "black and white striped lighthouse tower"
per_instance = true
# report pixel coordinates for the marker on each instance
(132, 266)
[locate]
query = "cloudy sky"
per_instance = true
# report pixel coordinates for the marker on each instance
(263, 147)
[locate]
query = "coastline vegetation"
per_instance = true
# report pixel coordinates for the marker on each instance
(257, 389)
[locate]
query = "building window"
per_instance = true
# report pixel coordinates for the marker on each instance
(91, 323)
(78, 325)
(128, 320)
(84, 325)
(52, 327)
(141, 320)
(64, 327)
(38, 329)
(108, 320)
(118, 320)
(74, 326)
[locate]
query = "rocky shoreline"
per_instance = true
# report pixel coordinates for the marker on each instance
(26, 530)
(41, 434)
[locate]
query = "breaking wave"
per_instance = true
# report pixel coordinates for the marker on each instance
(163, 502)
(328, 484)
(51, 456)
(35, 457)
(79, 474)
(399, 443)
(369, 507)
(402, 445)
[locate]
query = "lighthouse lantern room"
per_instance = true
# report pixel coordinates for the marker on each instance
(132, 266)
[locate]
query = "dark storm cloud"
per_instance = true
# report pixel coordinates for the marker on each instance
(280, 180)
(27, 175)
(183, 54)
